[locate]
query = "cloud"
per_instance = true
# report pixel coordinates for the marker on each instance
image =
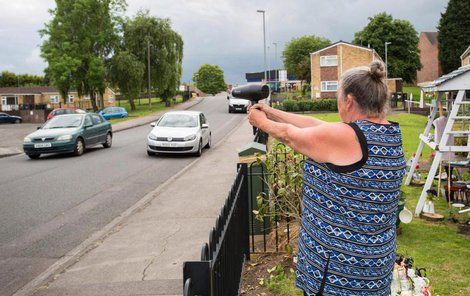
(225, 32)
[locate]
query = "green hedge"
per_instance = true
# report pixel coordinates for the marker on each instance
(309, 105)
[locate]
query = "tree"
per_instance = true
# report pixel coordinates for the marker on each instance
(166, 52)
(80, 37)
(454, 36)
(8, 79)
(296, 55)
(126, 72)
(403, 52)
(210, 79)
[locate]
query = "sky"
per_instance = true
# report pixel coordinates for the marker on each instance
(228, 33)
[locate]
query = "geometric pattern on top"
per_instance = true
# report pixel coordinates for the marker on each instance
(350, 218)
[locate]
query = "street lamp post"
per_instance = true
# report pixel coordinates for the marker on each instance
(276, 71)
(264, 42)
(148, 73)
(386, 59)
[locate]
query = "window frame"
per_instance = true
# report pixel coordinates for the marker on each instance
(70, 99)
(54, 99)
(324, 61)
(328, 83)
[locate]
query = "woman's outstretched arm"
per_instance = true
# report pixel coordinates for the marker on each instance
(290, 118)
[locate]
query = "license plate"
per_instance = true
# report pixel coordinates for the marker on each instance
(238, 109)
(42, 145)
(169, 144)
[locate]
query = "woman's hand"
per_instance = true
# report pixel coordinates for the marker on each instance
(256, 116)
(262, 107)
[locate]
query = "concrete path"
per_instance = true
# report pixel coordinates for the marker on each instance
(12, 135)
(144, 255)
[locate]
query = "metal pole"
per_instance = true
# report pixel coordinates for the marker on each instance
(264, 42)
(148, 73)
(276, 73)
(386, 59)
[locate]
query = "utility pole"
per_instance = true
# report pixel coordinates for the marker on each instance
(276, 73)
(386, 59)
(148, 73)
(264, 42)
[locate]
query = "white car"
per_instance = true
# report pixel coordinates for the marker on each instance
(179, 132)
(237, 105)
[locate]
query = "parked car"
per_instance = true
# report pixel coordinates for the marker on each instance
(113, 112)
(237, 105)
(70, 133)
(7, 118)
(179, 132)
(62, 111)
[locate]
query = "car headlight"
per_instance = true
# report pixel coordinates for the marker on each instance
(152, 137)
(27, 140)
(64, 138)
(190, 138)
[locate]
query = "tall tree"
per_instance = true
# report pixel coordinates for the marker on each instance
(454, 34)
(166, 52)
(126, 72)
(403, 52)
(80, 37)
(210, 79)
(8, 79)
(296, 55)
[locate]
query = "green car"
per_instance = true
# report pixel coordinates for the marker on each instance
(71, 133)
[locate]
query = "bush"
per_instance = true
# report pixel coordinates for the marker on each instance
(309, 105)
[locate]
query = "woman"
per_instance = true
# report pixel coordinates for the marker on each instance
(352, 182)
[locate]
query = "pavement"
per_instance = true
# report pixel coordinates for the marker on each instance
(12, 135)
(144, 253)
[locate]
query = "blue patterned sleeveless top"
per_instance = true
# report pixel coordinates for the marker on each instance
(347, 239)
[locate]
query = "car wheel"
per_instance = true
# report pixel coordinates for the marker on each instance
(79, 147)
(229, 110)
(199, 149)
(209, 143)
(109, 141)
(150, 153)
(18, 121)
(34, 156)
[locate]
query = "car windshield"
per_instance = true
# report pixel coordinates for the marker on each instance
(64, 122)
(178, 120)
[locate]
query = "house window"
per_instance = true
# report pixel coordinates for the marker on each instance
(329, 61)
(329, 85)
(70, 99)
(54, 99)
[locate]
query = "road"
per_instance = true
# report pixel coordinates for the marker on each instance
(49, 206)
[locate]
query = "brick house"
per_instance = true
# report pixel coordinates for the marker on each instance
(429, 57)
(465, 57)
(329, 63)
(46, 97)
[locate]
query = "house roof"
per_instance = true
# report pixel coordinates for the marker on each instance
(465, 53)
(432, 37)
(344, 43)
(435, 85)
(27, 90)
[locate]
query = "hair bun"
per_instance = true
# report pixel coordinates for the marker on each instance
(377, 70)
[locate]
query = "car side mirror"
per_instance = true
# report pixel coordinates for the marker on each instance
(228, 98)
(88, 125)
(205, 125)
(153, 124)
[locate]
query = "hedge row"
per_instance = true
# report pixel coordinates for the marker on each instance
(309, 105)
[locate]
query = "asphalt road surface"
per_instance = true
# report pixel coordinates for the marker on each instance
(49, 206)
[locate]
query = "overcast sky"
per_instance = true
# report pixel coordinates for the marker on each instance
(228, 33)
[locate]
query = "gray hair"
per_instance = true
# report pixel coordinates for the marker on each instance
(368, 87)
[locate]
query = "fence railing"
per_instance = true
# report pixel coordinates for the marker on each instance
(219, 270)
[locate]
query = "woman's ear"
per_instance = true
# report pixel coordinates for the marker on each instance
(350, 102)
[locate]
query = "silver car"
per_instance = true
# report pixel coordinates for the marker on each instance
(179, 132)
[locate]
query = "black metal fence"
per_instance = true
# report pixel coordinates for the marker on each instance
(251, 221)
(219, 270)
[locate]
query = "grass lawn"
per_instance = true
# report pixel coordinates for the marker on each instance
(142, 109)
(435, 246)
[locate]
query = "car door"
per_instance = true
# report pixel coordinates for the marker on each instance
(3, 118)
(89, 131)
(101, 128)
(204, 131)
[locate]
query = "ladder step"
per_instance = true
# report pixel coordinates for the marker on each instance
(460, 117)
(462, 103)
(459, 133)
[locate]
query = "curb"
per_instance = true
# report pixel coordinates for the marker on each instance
(90, 243)
(196, 102)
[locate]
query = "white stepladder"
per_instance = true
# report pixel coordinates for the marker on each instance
(458, 82)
